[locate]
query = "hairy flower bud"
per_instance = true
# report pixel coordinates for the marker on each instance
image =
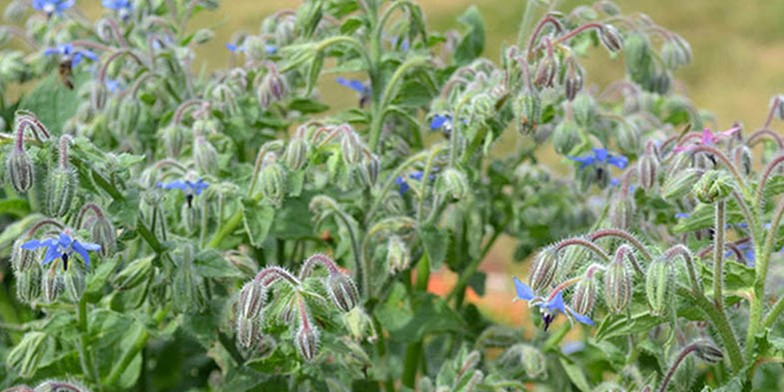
(273, 183)
(22, 259)
(584, 296)
(629, 138)
(271, 89)
(618, 282)
(28, 353)
(350, 147)
(60, 386)
(658, 282)
(342, 290)
(743, 160)
(674, 55)
(251, 301)
(680, 183)
(453, 183)
(566, 136)
(398, 258)
(248, 332)
(61, 189)
(307, 341)
(528, 110)
(708, 352)
(621, 212)
(20, 170)
(584, 109)
(483, 106)
(647, 170)
(573, 78)
(369, 170)
(173, 137)
(533, 361)
(713, 186)
(52, 285)
(296, 155)
(28, 284)
(546, 72)
(637, 56)
(543, 270)
(102, 232)
(610, 38)
(205, 155)
(134, 274)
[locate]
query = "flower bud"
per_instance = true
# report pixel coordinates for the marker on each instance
(252, 298)
(584, 296)
(273, 183)
(533, 361)
(708, 352)
(545, 72)
(483, 106)
(173, 137)
(358, 323)
(680, 183)
(102, 233)
(618, 282)
(61, 189)
(453, 183)
(202, 36)
(637, 56)
(205, 155)
(128, 114)
(527, 109)
(629, 138)
(674, 55)
(28, 284)
(566, 136)
(350, 148)
(256, 47)
(425, 384)
(647, 170)
(658, 282)
(52, 284)
(475, 379)
(659, 82)
(60, 386)
(296, 155)
(23, 259)
(713, 186)
(398, 258)
(74, 283)
(135, 273)
(27, 355)
(271, 89)
(621, 212)
(248, 332)
(342, 290)
(20, 170)
(584, 109)
(610, 38)
(573, 78)
(369, 170)
(743, 160)
(307, 341)
(543, 270)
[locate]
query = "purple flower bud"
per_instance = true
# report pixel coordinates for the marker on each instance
(618, 282)
(546, 72)
(307, 340)
(543, 270)
(252, 298)
(610, 38)
(61, 189)
(708, 352)
(20, 170)
(248, 332)
(342, 291)
(573, 78)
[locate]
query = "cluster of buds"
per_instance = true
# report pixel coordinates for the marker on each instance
(252, 301)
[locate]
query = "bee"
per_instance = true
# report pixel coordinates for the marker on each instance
(65, 71)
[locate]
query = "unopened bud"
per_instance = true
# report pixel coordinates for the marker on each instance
(248, 332)
(533, 361)
(708, 352)
(573, 78)
(172, 137)
(256, 47)
(307, 341)
(202, 36)
(610, 38)
(546, 72)
(713, 186)
(358, 323)
(369, 170)
(27, 355)
(584, 296)
(658, 280)
(60, 386)
(425, 384)
(543, 270)
(472, 382)
(271, 89)
(205, 155)
(483, 106)
(680, 183)
(252, 299)
(22, 259)
(134, 274)
(566, 136)
(637, 56)
(20, 170)
(742, 158)
(52, 285)
(102, 232)
(296, 155)
(647, 170)
(350, 148)
(629, 138)
(618, 282)
(273, 183)
(342, 290)
(61, 189)
(584, 109)
(28, 284)
(673, 54)
(659, 82)
(398, 258)
(128, 112)
(528, 110)
(621, 212)
(453, 183)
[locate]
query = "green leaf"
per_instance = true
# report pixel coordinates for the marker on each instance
(257, 221)
(432, 315)
(620, 325)
(113, 334)
(351, 24)
(575, 374)
(435, 241)
(210, 264)
(96, 279)
(737, 277)
(477, 282)
(313, 73)
(473, 42)
(52, 102)
(294, 218)
(17, 207)
(305, 106)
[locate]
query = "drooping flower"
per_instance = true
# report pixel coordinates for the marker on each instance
(362, 88)
(550, 306)
(189, 188)
(708, 138)
(601, 156)
(51, 7)
(68, 52)
(123, 7)
(62, 247)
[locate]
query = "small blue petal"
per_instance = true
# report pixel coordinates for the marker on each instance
(82, 252)
(524, 292)
(620, 161)
(51, 254)
(682, 215)
(232, 47)
(64, 240)
(581, 318)
(439, 121)
(270, 49)
(355, 85)
(33, 245)
(181, 185)
(557, 303)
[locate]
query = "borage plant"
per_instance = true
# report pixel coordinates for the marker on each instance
(155, 218)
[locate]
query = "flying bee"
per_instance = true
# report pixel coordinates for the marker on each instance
(65, 71)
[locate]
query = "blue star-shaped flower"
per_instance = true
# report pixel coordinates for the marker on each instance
(441, 121)
(62, 248)
(123, 7)
(601, 156)
(67, 52)
(189, 188)
(50, 7)
(550, 306)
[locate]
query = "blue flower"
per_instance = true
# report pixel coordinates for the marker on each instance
(50, 7)
(356, 85)
(269, 49)
(601, 156)
(62, 248)
(189, 188)
(123, 7)
(67, 52)
(682, 215)
(549, 306)
(441, 121)
(403, 183)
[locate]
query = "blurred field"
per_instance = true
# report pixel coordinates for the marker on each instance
(738, 65)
